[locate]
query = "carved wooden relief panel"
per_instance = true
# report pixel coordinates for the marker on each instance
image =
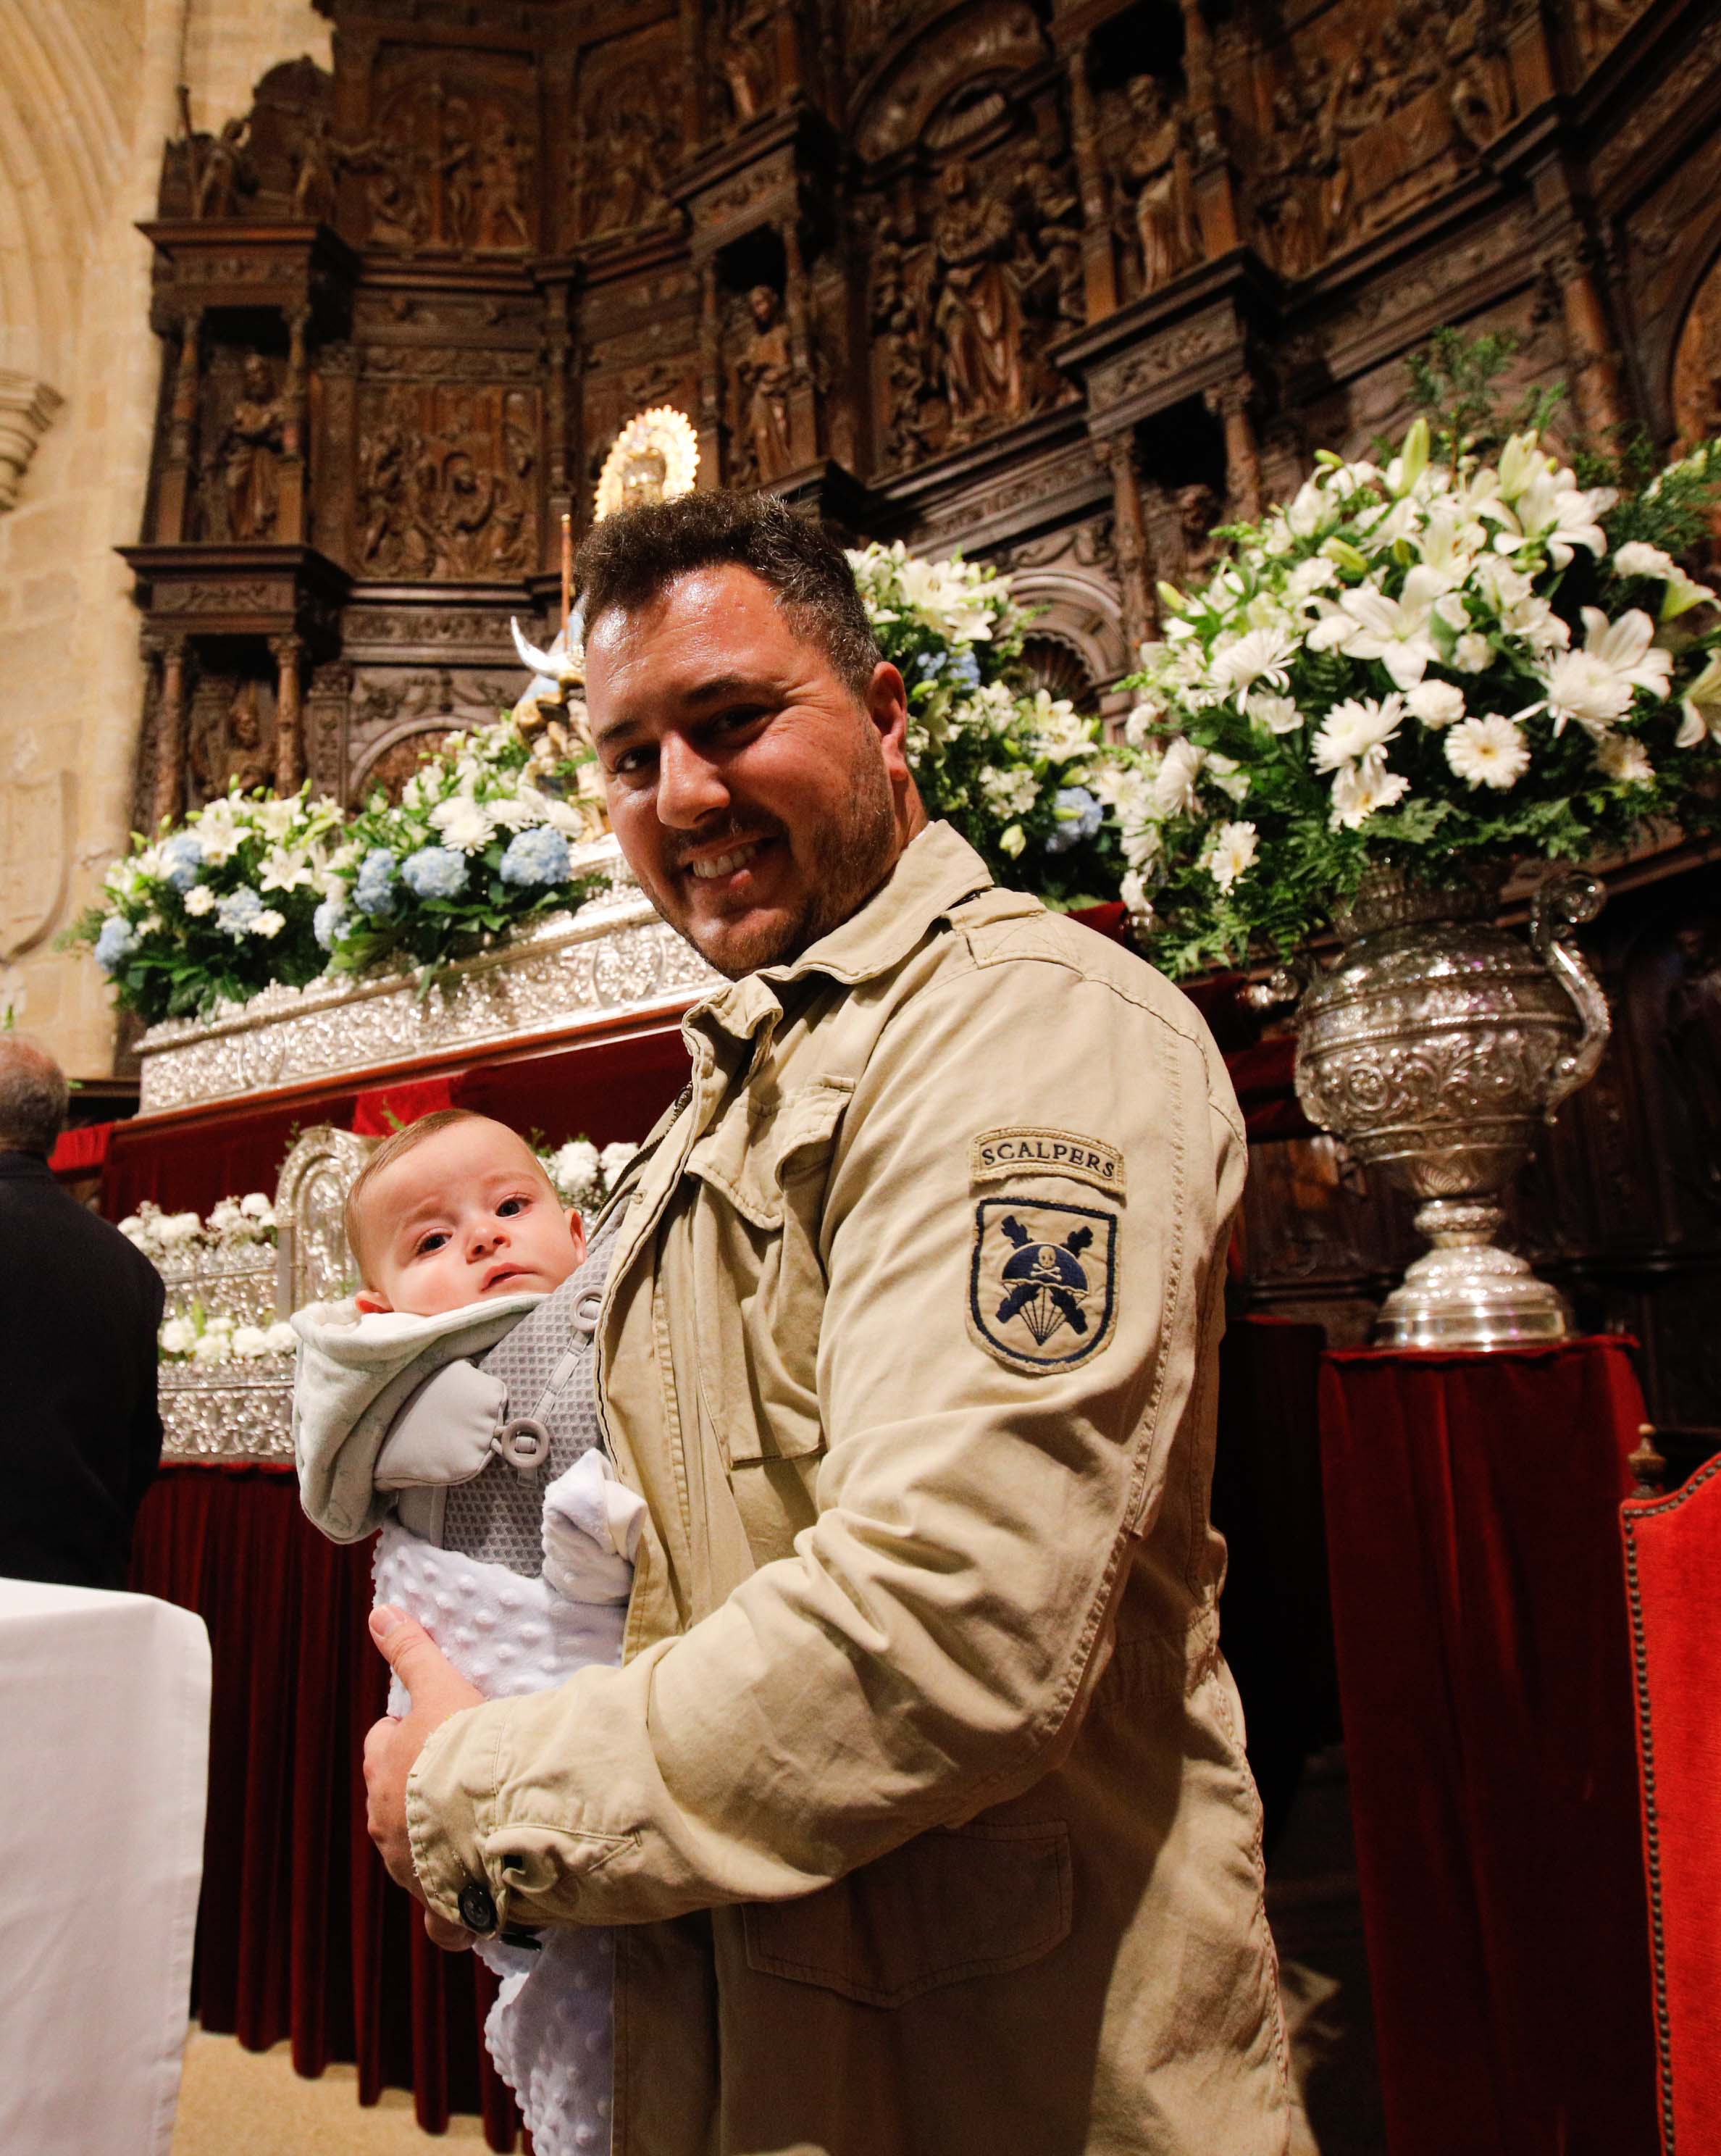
(1063, 282)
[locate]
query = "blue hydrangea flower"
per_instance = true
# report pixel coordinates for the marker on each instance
(537, 855)
(434, 872)
(964, 667)
(328, 924)
(115, 944)
(235, 914)
(181, 857)
(1079, 816)
(373, 892)
(931, 663)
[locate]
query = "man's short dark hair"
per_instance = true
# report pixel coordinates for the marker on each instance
(629, 559)
(33, 1096)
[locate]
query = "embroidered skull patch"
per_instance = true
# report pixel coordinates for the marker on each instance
(1042, 1284)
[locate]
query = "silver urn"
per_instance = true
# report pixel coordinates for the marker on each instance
(1437, 1045)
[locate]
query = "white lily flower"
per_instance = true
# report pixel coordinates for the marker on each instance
(1487, 752)
(1359, 726)
(275, 818)
(1638, 558)
(1174, 785)
(219, 831)
(1263, 654)
(1701, 705)
(1398, 632)
(286, 868)
(1230, 852)
(1561, 516)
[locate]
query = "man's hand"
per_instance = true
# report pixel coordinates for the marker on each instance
(392, 1745)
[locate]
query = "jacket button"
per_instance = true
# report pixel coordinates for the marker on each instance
(477, 1911)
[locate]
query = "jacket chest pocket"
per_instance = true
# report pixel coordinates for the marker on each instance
(758, 1285)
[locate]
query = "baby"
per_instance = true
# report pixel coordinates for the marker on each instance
(452, 1402)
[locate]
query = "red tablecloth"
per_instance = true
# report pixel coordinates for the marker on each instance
(1484, 1680)
(300, 1934)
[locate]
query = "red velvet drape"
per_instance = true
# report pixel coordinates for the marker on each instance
(300, 1934)
(1472, 1506)
(1673, 1574)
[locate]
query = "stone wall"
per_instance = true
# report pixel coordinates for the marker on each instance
(87, 97)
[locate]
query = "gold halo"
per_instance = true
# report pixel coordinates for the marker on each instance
(663, 429)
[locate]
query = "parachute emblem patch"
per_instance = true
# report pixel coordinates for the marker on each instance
(1042, 1285)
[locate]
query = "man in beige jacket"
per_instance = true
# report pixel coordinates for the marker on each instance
(920, 1798)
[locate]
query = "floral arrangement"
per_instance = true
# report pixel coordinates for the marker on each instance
(235, 1226)
(200, 1337)
(582, 1174)
(480, 840)
(217, 909)
(1465, 653)
(1031, 784)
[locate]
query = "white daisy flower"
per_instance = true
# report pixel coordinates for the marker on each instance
(199, 900)
(1260, 655)
(1174, 785)
(1278, 714)
(1593, 687)
(1361, 790)
(463, 822)
(1487, 752)
(1622, 759)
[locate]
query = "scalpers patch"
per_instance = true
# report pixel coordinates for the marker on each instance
(1042, 1284)
(1036, 1148)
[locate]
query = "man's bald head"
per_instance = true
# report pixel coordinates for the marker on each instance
(33, 1096)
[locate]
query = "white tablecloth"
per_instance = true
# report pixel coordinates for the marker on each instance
(104, 1767)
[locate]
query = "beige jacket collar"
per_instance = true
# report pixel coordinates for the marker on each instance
(936, 870)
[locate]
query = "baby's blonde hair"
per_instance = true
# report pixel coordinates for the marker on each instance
(403, 1140)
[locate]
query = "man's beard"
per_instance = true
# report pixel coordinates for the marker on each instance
(854, 850)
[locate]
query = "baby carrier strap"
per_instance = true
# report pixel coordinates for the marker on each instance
(545, 1365)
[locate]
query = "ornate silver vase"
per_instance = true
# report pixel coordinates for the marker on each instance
(1436, 1046)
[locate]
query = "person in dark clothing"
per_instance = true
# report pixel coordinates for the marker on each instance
(80, 1433)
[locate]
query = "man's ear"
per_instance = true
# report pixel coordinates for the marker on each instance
(373, 1304)
(577, 1230)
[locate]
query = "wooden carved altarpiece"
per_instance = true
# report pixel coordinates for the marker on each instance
(1060, 282)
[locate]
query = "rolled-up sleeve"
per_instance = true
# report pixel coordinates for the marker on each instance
(1007, 1346)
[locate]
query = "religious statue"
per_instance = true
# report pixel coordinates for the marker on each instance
(1360, 100)
(501, 188)
(763, 377)
(1157, 163)
(314, 177)
(743, 57)
(1055, 214)
(623, 171)
(395, 202)
(644, 476)
(1286, 195)
(1198, 512)
(1481, 93)
(223, 757)
(224, 171)
(654, 458)
(249, 451)
(978, 318)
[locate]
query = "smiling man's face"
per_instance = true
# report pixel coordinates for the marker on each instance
(758, 801)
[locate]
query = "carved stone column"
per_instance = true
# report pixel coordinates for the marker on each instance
(167, 793)
(27, 407)
(711, 469)
(1594, 367)
(1229, 402)
(290, 713)
(558, 354)
(1214, 191)
(294, 434)
(1117, 457)
(182, 431)
(1100, 257)
(326, 704)
(803, 418)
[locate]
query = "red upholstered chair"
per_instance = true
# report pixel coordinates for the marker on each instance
(1673, 1580)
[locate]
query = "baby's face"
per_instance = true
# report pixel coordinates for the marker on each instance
(466, 1216)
